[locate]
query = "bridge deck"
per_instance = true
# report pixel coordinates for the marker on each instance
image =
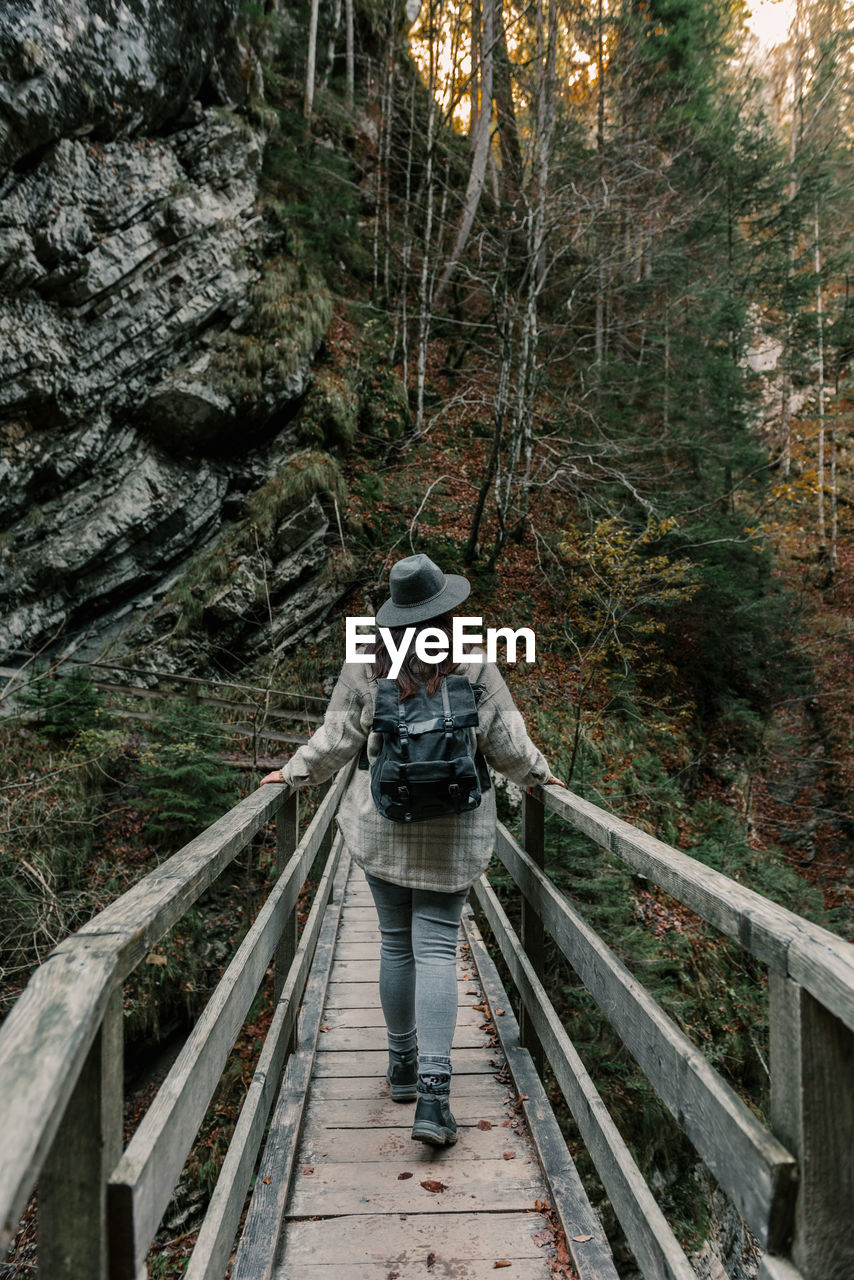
(365, 1200)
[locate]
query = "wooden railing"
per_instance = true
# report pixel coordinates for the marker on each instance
(61, 1059)
(268, 715)
(792, 1183)
(61, 1056)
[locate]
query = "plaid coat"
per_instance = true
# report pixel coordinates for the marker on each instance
(446, 854)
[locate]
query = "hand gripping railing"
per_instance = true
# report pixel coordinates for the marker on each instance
(794, 1184)
(61, 1056)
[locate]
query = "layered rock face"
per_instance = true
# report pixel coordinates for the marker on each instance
(131, 276)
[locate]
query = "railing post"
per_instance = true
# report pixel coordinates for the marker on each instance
(531, 931)
(72, 1218)
(812, 1113)
(287, 839)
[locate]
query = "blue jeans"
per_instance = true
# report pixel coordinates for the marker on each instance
(418, 970)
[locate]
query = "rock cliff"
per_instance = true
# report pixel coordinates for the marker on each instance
(152, 354)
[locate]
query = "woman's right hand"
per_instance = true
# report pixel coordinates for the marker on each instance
(555, 782)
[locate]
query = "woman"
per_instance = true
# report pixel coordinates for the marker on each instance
(419, 874)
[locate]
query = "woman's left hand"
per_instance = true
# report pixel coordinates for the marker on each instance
(275, 776)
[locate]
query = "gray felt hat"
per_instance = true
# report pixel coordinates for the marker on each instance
(420, 590)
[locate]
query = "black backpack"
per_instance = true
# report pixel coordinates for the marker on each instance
(427, 767)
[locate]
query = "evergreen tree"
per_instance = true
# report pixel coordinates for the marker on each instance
(63, 702)
(185, 785)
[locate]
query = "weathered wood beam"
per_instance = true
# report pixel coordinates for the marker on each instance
(655, 1247)
(262, 1229)
(216, 1237)
(44, 1044)
(591, 1255)
(142, 1183)
(756, 1170)
(812, 1110)
(72, 1210)
(819, 960)
(531, 926)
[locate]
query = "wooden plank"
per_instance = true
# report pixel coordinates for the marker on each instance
(819, 960)
(359, 1039)
(356, 971)
(352, 1019)
(213, 1245)
(657, 1251)
(755, 1169)
(485, 1087)
(324, 1144)
(44, 1043)
(812, 1107)
(531, 933)
(287, 840)
(437, 1262)
(772, 1268)
(72, 1217)
(591, 1256)
(331, 1189)
(144, 1178)
(371, 1062)
(366, 995)
(386, 1242)
(258, 1243)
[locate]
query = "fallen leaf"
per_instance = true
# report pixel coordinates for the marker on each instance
(523, 1097)
(267, 1181)
(154, 957)
(502, 1262)
(309, 1168)
(509, 1155)
(484, 1124)
(499, 1013)
(432, 1185)
(582, 1239)
(401, 1177)
(541, 1238)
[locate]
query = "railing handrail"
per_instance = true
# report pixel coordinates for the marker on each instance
(106, 665)
(788, 1178)
(821, 961)
(54, 1022)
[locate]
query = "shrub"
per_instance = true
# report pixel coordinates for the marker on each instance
(63, 702)
(185, 787)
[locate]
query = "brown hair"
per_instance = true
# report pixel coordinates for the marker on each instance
(413, 669)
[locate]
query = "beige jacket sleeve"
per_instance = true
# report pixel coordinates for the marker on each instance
(502, 736)
(336, 741)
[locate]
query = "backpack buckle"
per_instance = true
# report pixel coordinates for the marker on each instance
(448, 723)
(402, 729)
(454, 790)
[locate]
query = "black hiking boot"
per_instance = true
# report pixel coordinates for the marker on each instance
(402, 1075)
(434, 1122)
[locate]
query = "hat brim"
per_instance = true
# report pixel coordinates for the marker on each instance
(455, 591)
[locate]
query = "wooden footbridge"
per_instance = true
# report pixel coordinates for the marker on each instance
(321, 1178)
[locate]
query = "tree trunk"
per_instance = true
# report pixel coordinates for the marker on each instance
(477, 174)
(310, 60)
(822, 536)
(351, 73)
